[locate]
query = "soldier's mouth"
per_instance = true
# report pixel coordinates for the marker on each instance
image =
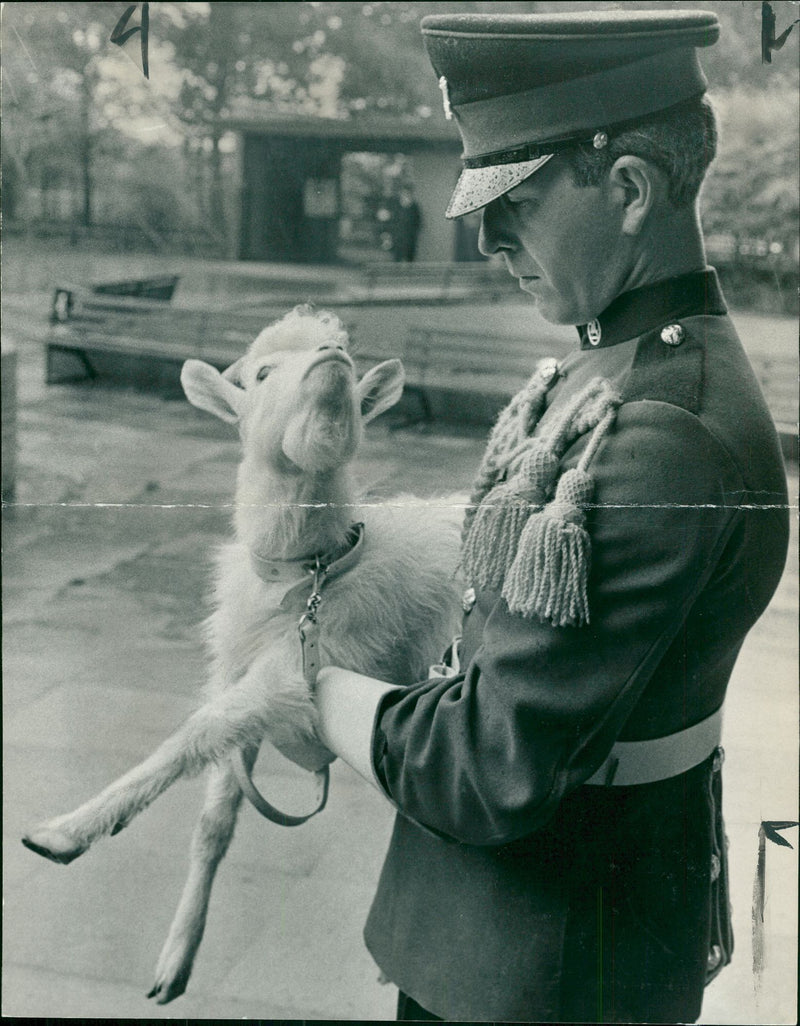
(525, 281)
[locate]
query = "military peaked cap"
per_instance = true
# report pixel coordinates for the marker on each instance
(524, 86)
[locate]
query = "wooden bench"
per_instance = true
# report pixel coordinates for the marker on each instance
(777, 376)
(480, 280)
(461, 376)
(140, 342)
(469, 376)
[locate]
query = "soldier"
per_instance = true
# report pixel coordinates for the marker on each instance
(406, 225)
(559, 853)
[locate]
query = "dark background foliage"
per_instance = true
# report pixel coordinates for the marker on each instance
(88, 143)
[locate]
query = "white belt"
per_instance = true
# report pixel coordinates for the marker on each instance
(632, 762)
(645, 762)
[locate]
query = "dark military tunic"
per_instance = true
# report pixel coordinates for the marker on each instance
(512, 890)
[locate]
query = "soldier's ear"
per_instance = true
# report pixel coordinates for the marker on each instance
(636, 184)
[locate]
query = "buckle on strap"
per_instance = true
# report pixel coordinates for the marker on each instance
(645, 762)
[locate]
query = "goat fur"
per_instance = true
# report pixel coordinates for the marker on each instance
(300, 411)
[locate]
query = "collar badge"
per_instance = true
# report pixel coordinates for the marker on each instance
(448, 110)
(594, 332)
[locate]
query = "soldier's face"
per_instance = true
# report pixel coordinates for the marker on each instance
(563, 242)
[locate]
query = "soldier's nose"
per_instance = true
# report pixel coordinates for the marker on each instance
(492, 237)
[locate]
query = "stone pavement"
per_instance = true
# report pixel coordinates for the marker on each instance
(105, 561)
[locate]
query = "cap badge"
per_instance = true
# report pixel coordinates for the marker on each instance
(448, 110)
(594, 333)
(673, 334)
(600, 140)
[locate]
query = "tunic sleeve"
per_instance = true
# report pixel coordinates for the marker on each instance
(485, 757)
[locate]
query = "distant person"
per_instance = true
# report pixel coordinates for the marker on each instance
(406, 225)
(559, 853)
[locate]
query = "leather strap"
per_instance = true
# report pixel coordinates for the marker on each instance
(644, 762)
(268, 810)
(321, 571)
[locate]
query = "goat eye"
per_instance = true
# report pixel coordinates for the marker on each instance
(263, 373)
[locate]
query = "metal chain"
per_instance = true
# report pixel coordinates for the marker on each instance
(315, 598)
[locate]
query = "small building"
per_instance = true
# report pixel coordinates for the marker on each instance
(291, 184)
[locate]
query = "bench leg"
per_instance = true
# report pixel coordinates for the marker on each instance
(61, 357)
(424, 419)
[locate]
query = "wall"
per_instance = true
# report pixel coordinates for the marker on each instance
(282, 219)
(435, 174)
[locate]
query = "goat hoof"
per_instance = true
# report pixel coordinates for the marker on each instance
(54, 845)
(165, 992)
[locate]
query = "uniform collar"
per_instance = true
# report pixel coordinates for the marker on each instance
(654, 306)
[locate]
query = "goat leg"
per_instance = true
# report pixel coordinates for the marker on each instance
(210, 842)
(235, 718)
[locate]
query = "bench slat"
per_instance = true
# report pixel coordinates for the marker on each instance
(471, 362)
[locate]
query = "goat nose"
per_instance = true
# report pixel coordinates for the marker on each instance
(337, 346)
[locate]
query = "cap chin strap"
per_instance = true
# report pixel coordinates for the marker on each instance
(322, 569)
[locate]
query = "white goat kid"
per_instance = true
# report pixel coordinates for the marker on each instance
(300, 411)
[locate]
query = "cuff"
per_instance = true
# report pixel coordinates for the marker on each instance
(347, 708)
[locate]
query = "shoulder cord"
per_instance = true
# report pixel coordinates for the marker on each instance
(503, 546)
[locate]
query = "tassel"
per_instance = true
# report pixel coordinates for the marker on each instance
(511, 432)
(539, 555)
(492, 539)
(549, 576)
(498, 522)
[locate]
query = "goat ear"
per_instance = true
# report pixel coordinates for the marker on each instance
(380, 388)
(206, 389)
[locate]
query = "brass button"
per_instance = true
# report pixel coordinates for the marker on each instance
(468, 600)
(714, 957)
(673, 334)
(719, 758)
(594, 333)
(548, 369)
(716, 867)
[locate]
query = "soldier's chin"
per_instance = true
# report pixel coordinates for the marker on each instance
(548, 305)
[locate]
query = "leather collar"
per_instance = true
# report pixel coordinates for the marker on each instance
(654, 306)
(278, 571)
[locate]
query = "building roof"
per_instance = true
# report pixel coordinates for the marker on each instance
(372, 129)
